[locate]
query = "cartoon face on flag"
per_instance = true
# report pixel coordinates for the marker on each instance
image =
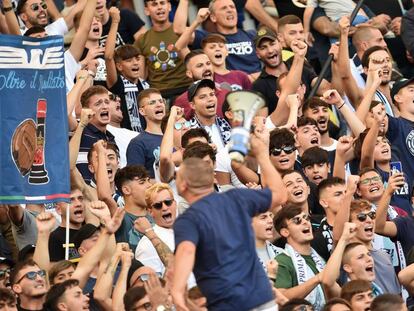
(34, 166)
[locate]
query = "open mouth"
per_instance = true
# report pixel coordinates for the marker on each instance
(373, 189)
(218, 56)
(314, 141)
(370, 268)
(207, 74)
(104, 114)
(167, 217)
(385, 71)
(385, 151)
(322, 121)
(159, 112)
(306, 230)
(78, 212)
(317, 178)
(42, 15)
(369, 229)
(269, 229)
(298, 193)
(273, 57)
(40, 285)
(284, 161)
(160, 13)
(95, 30)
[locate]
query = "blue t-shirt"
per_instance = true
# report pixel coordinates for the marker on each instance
(242, 51)
(401, 136)
(227, 268)
(405, 232)
(144, 150)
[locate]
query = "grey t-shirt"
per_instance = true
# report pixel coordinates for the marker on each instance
(26, 233)
(334, 9)
(385, 276)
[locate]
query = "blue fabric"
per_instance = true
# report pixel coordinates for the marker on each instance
(405, 232)
(227, 268)
(401, 136)
(242, 51)
(144, 150)
(127, 233)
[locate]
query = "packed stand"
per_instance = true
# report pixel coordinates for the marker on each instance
(318, 216)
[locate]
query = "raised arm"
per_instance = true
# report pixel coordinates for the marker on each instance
(255, 8)
(333, 266)
(351, 88)
(344, 151)
(11, 19)
(187, 35)
(368, 146)
(45, 222)
(373, 82)
(111, 73)
(293, 79)
(103, 186)
(167, 166)
(78, 7)
(180, 20)
(343, 213)
(334, 98)
(382, 226)
(81, 36)
(269, 176)
(293, 103)
(91, 258)
(406, 278)
(121, 284)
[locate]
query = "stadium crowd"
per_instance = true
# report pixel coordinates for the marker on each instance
(319, 216)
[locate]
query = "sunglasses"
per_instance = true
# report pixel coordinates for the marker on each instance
(145, 277)
(297, 220)
(179, 125)
(3, 273)
(36, 6)
(158, 205)
(32, 275)
(363, 216)
(287, 149)
(367, 181)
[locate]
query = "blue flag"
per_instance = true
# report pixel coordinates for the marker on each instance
(34, 150)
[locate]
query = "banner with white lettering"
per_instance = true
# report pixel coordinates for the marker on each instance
(34, 152)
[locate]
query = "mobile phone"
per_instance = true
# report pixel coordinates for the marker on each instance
(396, 167)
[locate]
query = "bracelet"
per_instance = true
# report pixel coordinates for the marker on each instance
(8, 9)
(343, 103)
(272, 279)
(149, 229)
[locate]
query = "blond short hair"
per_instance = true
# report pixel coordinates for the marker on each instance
(154, 189)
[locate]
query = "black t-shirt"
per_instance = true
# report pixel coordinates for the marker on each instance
(266, 84)
(322, 241)
(57, 242)
(130, 23)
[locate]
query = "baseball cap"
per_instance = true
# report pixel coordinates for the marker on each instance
(25, 252)
(83, 234)
(192, 90)
(400, 84)
(264, 33)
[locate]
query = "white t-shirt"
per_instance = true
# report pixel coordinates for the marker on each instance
(71, 68)
(122, 138)
(223, 164)
(57, 28)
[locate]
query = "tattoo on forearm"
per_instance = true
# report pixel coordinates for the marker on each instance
(162, 249)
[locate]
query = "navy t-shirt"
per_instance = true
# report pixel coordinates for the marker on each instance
(242, 51)
(401, 136)
(227, 268)
(144, 150)
(405, 232)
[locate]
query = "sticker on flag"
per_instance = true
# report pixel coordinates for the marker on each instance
(34, 163)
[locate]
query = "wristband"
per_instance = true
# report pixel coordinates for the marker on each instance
(272, 279)
(91, 73)
(8, 9)
(148, 230)
(343, 103)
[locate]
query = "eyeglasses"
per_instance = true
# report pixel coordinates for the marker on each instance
(367, 181)
(297, 220)
(287, 149)
(3, 273)
(179, 125)
(158, 205)
(363, 216)
(303, 308)
(155, 101)
(145, 277)
(36, 6)
(32, 275)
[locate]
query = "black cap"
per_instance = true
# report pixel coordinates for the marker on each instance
(26, 251)
(84, 233)
(192, 90)
(264, 33)
(398, 85)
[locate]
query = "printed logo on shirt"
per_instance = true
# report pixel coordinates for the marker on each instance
(240, 48)
(163, 57)
(118, 42)
(410, 142)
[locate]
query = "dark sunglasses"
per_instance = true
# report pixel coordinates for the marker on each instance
(363, 216)
(32, 275)
(36, 6)
(167, 202)
(287, 149)
(297, 220)
(3, 273)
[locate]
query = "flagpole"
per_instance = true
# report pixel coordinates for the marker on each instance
(67, 232)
